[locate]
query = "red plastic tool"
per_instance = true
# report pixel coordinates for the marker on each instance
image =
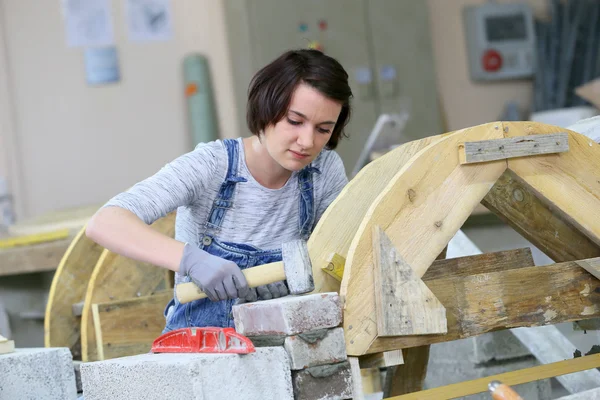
(203, 340)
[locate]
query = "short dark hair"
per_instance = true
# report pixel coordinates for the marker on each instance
(270, 91)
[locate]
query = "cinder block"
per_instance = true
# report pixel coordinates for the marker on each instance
(326, 346)
(451, 362)
(326, 382)
(500, 345)
(37, 373)
(592, 394)
(288, 315)
(262, 375)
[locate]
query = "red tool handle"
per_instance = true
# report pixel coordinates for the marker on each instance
(500, 391)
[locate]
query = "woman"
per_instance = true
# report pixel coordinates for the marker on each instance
(238, 200)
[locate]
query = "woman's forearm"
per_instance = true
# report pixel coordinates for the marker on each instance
(122, 232)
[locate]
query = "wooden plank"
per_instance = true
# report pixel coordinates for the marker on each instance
(128, 327)
(35, 258)
(421, 209)
(61, 327)
(511, 378)
(117, 278)
(6, 346)
(512, 147)
(339, 223)
(381, 360)
(592, 266)
(404, 305)
(530, 296)
(567, 182)
(409, 377)
(480, 263)
(517, 205)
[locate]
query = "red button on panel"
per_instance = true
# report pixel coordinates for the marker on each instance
(491, 60)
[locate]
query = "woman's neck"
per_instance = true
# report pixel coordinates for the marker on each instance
(262, 166)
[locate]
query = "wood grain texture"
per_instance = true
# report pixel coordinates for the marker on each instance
(404, 305)
(529, 296)
(569, 183)
(516, 204)
(512, 378)
(61, 327)
(512, 147)
(420, 209)
(339, 223)
(128, 327)
(35, 258)
(116, 278)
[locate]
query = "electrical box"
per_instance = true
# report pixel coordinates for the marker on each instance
(500, 41)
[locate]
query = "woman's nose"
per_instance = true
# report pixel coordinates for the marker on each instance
(306, 138)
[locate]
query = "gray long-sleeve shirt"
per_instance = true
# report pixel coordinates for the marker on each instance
(261, 217)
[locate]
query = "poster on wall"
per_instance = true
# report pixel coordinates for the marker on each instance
(102, 65)
(149, 20)
(88, 23)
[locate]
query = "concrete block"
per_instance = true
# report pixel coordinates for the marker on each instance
(288, 315)
(500, 345)
(262, 375)
(37, 373)
(326, 346)
(451, 362)
(326, 382)
(592, 394)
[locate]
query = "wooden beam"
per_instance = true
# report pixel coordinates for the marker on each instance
(511, 378)
(382, 360)
(516, 204)
(404, 305)
(421, 209)
(35, 258)
(512, 147)
(410, 376)
(567, 182)
(128, 327)
(529, 296)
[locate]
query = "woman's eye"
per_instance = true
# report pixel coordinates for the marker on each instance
(322, 130)
(292, 122)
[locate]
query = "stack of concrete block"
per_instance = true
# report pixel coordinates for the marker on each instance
(37, 373)
(482, 356)
(308, 329)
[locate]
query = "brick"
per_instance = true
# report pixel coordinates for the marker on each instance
(331, 382)
(37, 373)
(327, 346)
(288, 315)
(264, 374)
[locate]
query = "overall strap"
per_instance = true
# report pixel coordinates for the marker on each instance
(224, 200)
(306, 207)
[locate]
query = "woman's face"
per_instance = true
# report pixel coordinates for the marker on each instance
(296, 140)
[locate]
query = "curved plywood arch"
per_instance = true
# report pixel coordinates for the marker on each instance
(338, 224)
(61, 327)
(426, 203)
(118, 278)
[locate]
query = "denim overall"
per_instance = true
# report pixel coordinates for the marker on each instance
(205, 312)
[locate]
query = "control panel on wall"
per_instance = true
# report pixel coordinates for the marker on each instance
(500, 41)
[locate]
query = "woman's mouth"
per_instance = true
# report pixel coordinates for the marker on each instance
(299, 156)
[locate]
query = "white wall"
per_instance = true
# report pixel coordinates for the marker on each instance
(77, 145)
(464, 102)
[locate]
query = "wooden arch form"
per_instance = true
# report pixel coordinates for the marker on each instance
(424, 204)
(89, 275)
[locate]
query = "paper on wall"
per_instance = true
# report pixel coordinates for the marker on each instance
(88, 23)
(149, 20)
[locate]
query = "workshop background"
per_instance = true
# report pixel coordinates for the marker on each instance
(97, 95)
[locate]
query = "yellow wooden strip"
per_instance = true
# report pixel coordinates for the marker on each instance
(335, 266)
(27, 240)
(511, 378)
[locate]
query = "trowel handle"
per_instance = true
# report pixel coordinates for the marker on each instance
(255, 276)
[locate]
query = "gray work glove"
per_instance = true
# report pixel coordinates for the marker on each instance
(220, 279)
(266, 292)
